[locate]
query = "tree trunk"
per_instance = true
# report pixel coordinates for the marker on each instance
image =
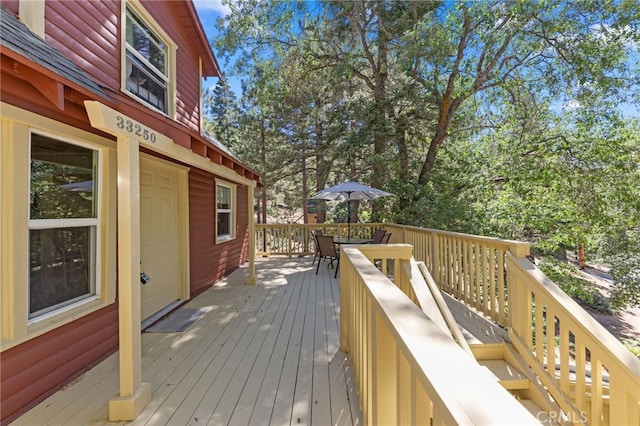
(321, 173)
(380, 92)
(448, 107)
(305, 191)
(263, 155)
(581, 256)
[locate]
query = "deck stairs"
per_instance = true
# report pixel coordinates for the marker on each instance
(489, 345)
(504, 363)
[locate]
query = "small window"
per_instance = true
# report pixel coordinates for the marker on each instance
(224, 212)
(147, 63)
(63, 223)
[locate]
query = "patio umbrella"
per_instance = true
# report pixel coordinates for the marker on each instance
(347, 191)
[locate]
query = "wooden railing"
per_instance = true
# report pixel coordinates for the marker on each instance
(589, 373)
(296, 240)
(585, 368)
(407, 370)
(468, 267)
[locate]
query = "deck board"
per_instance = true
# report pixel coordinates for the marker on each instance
(257, 371)
(475, 327)
(247, 358)
(262, 409)
(284, 398)
(262, 355)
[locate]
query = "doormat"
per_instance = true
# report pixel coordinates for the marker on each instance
(177, 321)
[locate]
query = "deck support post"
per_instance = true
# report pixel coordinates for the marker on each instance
(251, 277)
(134, 395)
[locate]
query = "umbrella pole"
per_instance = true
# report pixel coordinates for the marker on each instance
(349, 217)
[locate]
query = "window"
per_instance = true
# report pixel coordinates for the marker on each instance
(224, 212)
(63, 223)
(147, 72)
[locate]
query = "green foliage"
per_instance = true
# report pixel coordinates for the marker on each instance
(222, 115)
(567, 277)
(633, 346)
(492, 118)
(622, 252)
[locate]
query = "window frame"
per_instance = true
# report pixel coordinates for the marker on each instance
(220, 238)
(15, 175)
(144, 18)
(93, 224)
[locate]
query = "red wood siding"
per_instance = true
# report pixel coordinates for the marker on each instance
(12, 5)
(90, 27)
(211, 261)
(33, 370)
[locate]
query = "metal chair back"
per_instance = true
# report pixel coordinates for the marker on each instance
(328, 251)
(378, 235)
(315, 234)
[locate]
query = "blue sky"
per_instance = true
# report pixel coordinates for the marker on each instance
(209, 11)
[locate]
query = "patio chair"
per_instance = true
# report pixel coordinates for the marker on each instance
(314, 234)
(328, 251)
(385, 240)
(377, 236)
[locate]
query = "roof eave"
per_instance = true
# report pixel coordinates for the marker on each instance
(210, 67)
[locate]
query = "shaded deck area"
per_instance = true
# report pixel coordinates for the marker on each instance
(264, 354)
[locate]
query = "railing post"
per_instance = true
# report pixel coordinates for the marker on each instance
(519, 249)
(384, 380)
(435, 256)
(516, 309)
(346, 303)
(251, 276)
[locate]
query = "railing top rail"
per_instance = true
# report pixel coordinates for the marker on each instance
(492, 240)
(426, 346)
(605, 341)
(519, 246)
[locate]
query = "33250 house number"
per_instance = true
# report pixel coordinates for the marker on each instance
(135, 129)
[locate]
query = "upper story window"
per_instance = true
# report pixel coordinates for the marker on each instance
(148, 73)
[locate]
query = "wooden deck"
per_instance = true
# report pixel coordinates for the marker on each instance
(264, 354)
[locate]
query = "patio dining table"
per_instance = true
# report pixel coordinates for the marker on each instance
(352, 240)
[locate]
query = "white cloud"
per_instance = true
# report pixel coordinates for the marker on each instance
(571, 105)
(213, 5)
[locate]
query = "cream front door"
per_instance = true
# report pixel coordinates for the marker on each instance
(159, 234)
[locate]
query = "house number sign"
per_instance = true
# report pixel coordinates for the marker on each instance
(136, 129)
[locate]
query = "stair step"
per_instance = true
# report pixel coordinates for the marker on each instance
(506, 374)
(542, 416)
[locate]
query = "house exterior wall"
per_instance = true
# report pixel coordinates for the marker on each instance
(210, 261)
(11, 5)
(33, 369)
(38, 359)
(66, 28)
